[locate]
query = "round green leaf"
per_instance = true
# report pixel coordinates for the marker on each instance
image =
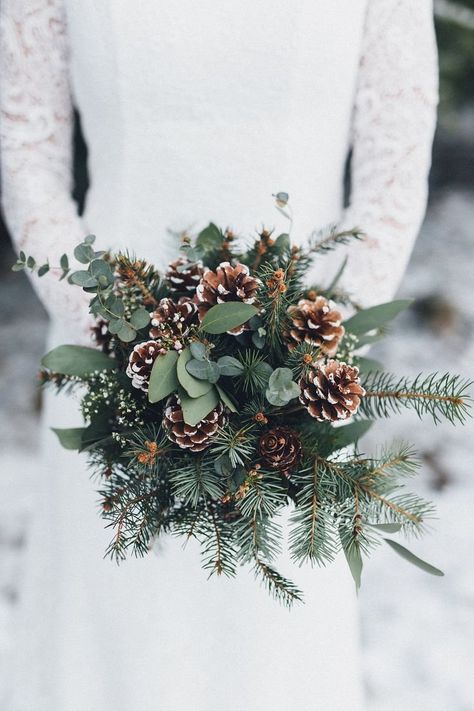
(127, 333)
(140, 318)
(83, 278)
(230, 366)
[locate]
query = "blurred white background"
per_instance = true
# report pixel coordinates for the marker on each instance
(417, 631)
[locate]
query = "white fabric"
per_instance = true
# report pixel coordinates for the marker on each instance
(192, 112)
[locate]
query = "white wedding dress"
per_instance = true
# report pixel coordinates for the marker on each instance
(197, 111)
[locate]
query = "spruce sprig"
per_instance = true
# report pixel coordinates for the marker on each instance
(435, 395)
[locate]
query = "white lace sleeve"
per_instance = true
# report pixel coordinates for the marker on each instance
(36, 148)
(393, 125)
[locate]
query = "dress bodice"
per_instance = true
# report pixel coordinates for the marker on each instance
(193, 114)
(200, 111)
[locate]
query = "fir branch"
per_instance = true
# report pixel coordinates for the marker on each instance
(438, 396)
(282, 589)
(326, 240)
(312, 536)
(217, 546)
(195, 479)
(237, 444)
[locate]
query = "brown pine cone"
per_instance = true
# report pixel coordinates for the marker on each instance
(227, 283)
(102, 336)
(172, 320)
(331, 391)
(141, 362)
(317, 323)
(185, 436)
(183, 275)
(280, 448)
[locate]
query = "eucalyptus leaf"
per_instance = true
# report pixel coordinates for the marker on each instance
(355, 563)
(230, 366)
(77, 360)
(84, 253)
(71, 437)
(412, 558)
(349, 434)
(227, 316)
(199, 350)
(18, 267)
(115, 325)
(209, 238)
(127, 333)
(196, 409)
(386, 527)
(140, 318)
(114, 305)
(90, 239)
(193, 386)
(376, 316)
(44, 269)
(226, 399)
(83, 278)
(64, 262)
(258, 340)
(198, 368)
(22, 256)
(214, 372)
(99, 268)
(163, 378)
(31, 263)
(282, 243)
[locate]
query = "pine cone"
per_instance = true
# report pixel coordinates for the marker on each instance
(227, 283)
(183, 275)
(331, 391)
(102, 336)
(317, 323)
(185, 436)
(171, 320)
(141, 362)
(280, 448)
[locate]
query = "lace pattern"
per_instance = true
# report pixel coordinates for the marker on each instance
(393, 126)
(36, 149)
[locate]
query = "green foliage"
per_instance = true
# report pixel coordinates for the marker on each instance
(227, 316)
(375, 317)
(78, 361)
(163, 378)
(229, 496)
(440, 396)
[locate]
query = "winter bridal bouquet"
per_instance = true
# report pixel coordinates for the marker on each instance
(226, 390)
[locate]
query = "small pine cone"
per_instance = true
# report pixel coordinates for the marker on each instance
(184, 276)
(227, 283)
(171, 320)
(185, 436)
(280, 448)
(331, 391)
(141, 362)
(102, 336)
(317, 323)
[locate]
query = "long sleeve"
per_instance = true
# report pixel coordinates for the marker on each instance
(36, 148)
(393, 126)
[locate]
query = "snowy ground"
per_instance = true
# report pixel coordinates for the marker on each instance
(418, 646)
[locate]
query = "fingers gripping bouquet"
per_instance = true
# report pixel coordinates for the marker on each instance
(226, 390)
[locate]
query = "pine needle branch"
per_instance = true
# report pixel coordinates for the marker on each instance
(438, 396)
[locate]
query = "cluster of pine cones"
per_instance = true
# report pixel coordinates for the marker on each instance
(330, 390)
